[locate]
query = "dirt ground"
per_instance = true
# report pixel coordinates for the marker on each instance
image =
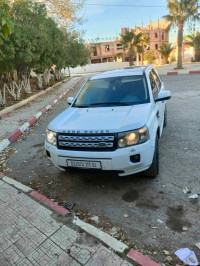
(24, 95)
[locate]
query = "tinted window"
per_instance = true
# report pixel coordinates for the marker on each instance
(129, 90)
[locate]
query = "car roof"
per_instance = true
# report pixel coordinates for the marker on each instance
(128, 71)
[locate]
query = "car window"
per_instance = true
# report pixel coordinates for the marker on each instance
(128, 90)
(153, 85)
(157, 79)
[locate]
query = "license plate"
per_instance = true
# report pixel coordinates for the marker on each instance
(84, 164)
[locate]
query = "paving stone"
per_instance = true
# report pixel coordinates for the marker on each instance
(12, 255)
(4, 243)
(64, 237)
(103, 257)
(3, 261)
(24, 205)
(84, 248)
(43, 221)
(48, 253)
(1, 183)
(65, 260)
(30, 240)
(8, 194)
(82, 253)
(126, 263)
(24, 262)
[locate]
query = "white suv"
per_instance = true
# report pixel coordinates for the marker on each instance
(114, 123)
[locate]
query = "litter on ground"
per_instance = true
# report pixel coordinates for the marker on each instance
(187, 256)
(195, 196)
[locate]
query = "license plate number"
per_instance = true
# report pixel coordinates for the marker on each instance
(84, 164)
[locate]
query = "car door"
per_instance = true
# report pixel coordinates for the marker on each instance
(155, 91)
(161, 105)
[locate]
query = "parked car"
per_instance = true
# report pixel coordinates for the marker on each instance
(113, 124)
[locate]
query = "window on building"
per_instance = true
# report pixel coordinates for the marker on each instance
(107, 48)
(156, 46)
(156, 35)
(163, 36)
(119, 46)
(94, 49)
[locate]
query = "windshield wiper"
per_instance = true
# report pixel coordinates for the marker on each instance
(110, 103)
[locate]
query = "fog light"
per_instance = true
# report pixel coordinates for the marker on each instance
(135, 158)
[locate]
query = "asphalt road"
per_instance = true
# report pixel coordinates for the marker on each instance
(155, 210)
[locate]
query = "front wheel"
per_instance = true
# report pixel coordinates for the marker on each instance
(153, 171)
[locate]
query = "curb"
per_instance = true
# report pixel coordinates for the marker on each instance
(175, 73)
(18, 132)
(141, 259)
(113, 243)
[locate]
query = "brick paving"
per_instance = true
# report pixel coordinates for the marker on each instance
(31, 235)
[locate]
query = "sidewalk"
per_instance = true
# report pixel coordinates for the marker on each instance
(16, 118)
(31, 234)
(189, 68)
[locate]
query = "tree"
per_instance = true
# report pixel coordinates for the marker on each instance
(65, 13)
(165, 50)
(6, 24)
(150, 55)
(135, 43)
(77, 53)
(194, 41)
(181, 11)
(127, 41)
(37, 43)
(144, 43)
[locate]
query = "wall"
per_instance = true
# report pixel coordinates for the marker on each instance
(97, 67)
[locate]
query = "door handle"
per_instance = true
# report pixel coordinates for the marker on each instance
(158, 114)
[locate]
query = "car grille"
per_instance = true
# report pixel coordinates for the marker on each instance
(87, 142)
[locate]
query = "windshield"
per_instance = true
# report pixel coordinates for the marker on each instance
(117, 91)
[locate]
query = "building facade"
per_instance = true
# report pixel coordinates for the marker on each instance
(102, 52)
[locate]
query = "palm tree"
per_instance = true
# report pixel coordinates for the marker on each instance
(144, 44)
(127, 41)
(181, 11)
(165, 50)
(138, 45)
(194, 41)
(133, 42)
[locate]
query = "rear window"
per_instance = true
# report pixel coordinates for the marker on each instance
(129, 90)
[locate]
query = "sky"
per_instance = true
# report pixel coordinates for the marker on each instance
(105, 22)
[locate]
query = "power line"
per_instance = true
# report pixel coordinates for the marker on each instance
(121, 5)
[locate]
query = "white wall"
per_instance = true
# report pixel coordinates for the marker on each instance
(91, 68)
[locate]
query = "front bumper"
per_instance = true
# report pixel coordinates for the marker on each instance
(118, 160)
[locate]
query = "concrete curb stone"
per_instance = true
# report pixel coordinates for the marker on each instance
(176, 73)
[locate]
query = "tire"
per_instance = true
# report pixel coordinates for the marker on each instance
(165, 117)
(153, 171)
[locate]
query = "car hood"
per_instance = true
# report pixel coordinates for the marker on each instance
(102, 119)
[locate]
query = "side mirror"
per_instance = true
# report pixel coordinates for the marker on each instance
(163, 96)
(70, 100)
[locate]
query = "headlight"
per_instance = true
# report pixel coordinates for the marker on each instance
(51, 137)
(133, 137)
